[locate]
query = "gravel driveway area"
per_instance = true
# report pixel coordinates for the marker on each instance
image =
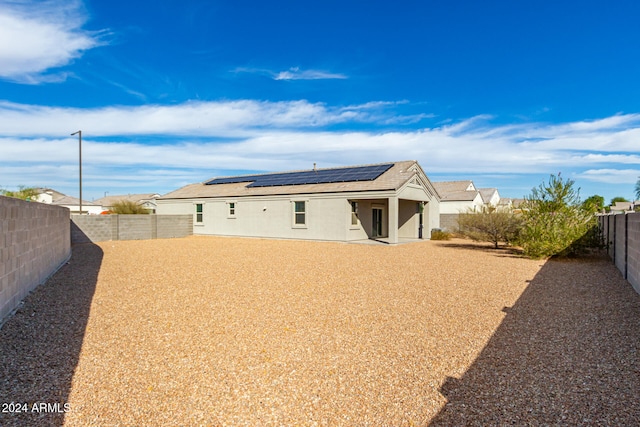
(252, 332)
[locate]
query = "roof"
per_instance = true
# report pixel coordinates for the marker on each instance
(623, 206)
(71, 201)
(456, 190)
(137, 198)
(391, 179)
(487, 193)
(59, 198)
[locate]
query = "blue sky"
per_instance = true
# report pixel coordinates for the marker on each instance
(174, 92)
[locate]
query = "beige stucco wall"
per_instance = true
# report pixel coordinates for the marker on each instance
(328, 216)
(455, 207)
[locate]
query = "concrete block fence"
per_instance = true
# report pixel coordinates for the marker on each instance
(34, 243)
(621, 235)
(99, 228)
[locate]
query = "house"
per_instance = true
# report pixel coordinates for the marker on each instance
(490, 196)
(52, 197)
(462, 196)
(386, 201)
(146, 200)
(511, 204)
(457, 197)
(622, 207)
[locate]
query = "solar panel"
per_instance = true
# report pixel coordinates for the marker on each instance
(322, 176)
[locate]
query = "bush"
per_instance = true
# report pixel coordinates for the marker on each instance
(492, 224)
(555, 222)
(128, 207)
(440, 235)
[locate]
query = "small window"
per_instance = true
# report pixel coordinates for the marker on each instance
(232, 209)
(300, 213)
(198, 212)
(354, 213)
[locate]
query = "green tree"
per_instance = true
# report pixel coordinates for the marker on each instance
(618, 199)
(128, 207)
(23, 193)
(555, 222)
(593, 204)
(491, 224)
(637, 189)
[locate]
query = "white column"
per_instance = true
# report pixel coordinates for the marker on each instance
(393, 219)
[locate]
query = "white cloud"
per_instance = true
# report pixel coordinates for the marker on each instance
(295, 73)
(36, 37)
(226, 118)
(612, 176)
(198, 140)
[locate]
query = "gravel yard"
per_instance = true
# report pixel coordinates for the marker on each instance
(234, 332)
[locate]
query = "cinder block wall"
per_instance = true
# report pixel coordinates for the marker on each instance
(633, 248)
(449, 222)
(621, 233)
(174, 226)
(34, 242)
(99, 228)
(620, 253)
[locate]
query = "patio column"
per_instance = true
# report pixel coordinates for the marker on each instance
(393, 220)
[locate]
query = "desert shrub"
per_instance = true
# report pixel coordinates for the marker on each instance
(128, 207)
(555, 222)
(23, 193)
(440, 235)
(491, 224)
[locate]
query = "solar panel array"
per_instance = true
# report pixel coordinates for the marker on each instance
(323, 176)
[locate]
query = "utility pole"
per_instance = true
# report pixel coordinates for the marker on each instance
(79, 133)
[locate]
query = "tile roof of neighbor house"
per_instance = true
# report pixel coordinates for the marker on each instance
(72, 201)
(455, 190)
(392, 179)
(487, 193)
(62, 199)
(110, 200)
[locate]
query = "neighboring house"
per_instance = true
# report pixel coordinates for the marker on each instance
(147, 201)
(52, 197)
(457, 197)
(490, 196)
(513, 204)
(621, 207)
(388, 202)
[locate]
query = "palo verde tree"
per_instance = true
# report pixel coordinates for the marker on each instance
(23, 193)
(128, 207)
(555, 222)
(491, 224)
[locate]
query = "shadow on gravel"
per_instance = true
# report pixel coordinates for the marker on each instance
(504, 251)
(567, 353)
(40, 344)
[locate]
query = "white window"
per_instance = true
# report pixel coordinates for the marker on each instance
(299, 213)
(198, 213)
(231, 212)
(354, 213)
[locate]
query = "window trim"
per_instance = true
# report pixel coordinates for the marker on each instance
(353, 214)
(232, 208)
(295, 213)
(198, 214)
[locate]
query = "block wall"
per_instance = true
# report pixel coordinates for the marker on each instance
(99, 228)
(620, 250)
(448, 222)
(34, 243)
(621, 235)
(633, 248)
